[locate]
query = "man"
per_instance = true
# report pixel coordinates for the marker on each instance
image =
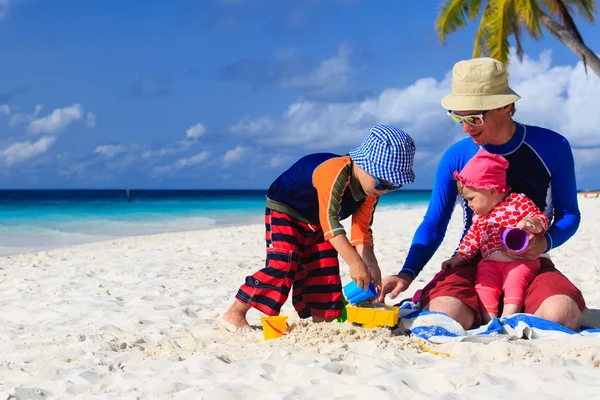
(541, 167)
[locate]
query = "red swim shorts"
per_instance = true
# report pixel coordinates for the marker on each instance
(459, 282)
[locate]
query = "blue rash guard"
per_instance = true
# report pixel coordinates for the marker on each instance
(541, 167)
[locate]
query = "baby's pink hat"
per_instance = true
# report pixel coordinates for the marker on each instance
(485, 171)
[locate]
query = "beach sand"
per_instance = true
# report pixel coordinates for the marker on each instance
(139, 318)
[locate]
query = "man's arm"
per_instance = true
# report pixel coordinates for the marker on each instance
(564, 197)
(430, 233)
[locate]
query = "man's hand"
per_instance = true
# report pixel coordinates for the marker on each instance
(394, 285)
(537, 241)
(455, 261)
(537, 245)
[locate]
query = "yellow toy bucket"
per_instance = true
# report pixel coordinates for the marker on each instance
(274, 327)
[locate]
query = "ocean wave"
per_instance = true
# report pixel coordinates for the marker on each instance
(44, 234)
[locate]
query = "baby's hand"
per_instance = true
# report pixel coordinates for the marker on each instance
(531, 225)
(455, 261)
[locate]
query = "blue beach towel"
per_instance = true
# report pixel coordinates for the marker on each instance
(440, 328)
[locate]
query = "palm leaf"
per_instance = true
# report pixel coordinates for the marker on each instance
(483, 34)
(528, 12)
(517, 32)
(552, 7)
(501, 14)
(586, 8)
(473, 9)
(452, 16)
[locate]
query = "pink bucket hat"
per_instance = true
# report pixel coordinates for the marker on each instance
(485, 171)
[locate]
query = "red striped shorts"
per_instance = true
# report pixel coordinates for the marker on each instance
(298, 257)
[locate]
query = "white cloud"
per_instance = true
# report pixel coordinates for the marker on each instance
(57, 120)
(415, 109)
(90, 120)
(254, 125)
(21, 118)
(183, 163)
(158, 153)
(329, 76)
(195, 131)
(109, 150)
(561, 98)
(193, 160)
(5, 109)
(191, 136)
(235, 155)
(21, 151)
(182, 145)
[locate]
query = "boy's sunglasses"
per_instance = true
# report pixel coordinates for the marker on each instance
(475, 119)
(390, 187)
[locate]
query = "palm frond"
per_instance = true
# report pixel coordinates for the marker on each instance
(586, 8)
(501, 14)
(517, 32)
(528, 12)
(452, 16)
(483, 34)
(552, 7)
(473, 9)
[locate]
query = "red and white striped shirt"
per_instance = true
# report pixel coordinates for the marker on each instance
(485, 231)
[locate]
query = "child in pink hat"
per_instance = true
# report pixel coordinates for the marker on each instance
(482, 182)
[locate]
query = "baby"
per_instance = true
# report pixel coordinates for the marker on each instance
(482, 182)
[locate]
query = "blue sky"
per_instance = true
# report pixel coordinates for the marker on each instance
(228, 93)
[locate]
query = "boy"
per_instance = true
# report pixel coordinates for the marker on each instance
(304, 234)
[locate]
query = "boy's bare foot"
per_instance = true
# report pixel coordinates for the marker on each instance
(235, 317)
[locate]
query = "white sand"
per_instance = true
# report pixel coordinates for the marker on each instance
(138, 318)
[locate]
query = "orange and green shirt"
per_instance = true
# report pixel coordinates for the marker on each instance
(322, 189)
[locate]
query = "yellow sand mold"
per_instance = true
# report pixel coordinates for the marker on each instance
(371, 315)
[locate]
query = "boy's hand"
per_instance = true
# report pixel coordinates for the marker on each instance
(531, 225)
(375, 273)
(368, 256)
(360, 274)
(455, 261)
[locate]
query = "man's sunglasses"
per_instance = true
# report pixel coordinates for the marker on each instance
(390, 187)
(475, 119)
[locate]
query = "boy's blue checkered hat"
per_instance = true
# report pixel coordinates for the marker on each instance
(386, 153)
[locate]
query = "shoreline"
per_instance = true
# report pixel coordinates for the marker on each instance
(8, 251)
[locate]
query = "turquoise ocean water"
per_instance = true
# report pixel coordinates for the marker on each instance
(32, 220)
